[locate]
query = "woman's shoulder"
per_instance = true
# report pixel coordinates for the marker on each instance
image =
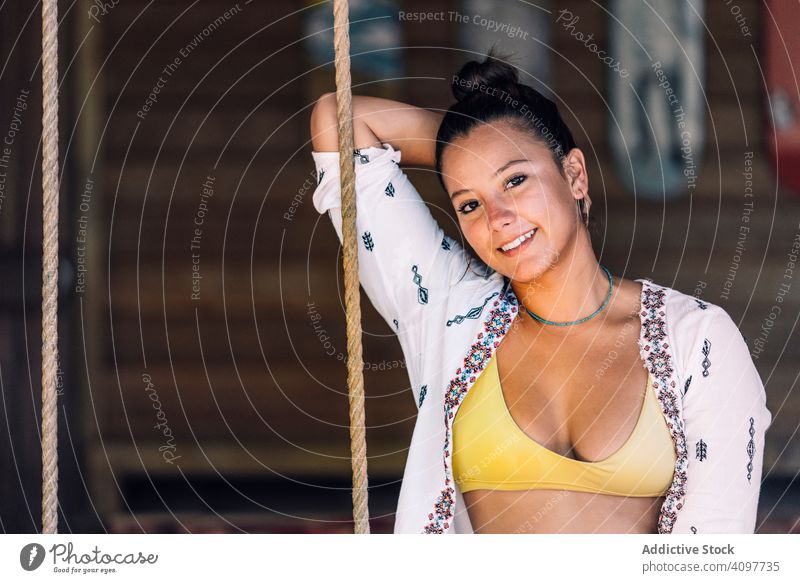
(675, 299)
(686, 315)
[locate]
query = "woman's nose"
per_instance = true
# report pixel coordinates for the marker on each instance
(500, 213)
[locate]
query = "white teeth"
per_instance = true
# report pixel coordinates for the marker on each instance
(518, 241)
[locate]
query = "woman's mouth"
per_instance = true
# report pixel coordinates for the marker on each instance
(517, 245)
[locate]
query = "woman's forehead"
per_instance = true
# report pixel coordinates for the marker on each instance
(486, 143)
(481, 154)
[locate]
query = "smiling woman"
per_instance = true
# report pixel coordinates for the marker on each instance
(597, 404)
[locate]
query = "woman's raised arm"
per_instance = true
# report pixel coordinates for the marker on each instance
(377, 120)
(406, 263)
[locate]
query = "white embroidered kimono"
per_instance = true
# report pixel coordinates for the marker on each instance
(450, 311)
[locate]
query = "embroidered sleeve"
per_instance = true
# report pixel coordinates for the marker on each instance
(725, 418)
(406, 262)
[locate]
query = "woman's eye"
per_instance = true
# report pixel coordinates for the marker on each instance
(462, 208)
(516, 180)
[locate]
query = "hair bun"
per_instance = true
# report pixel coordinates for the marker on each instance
(494, 71)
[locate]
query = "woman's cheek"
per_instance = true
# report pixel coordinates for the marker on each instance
(483, 245)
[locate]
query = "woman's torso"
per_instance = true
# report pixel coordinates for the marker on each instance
(579, 394)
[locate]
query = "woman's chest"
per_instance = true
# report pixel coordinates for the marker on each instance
(581, 398)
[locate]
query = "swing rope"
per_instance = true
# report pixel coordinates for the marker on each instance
(49, 266)
(50, 190)
(352, 296)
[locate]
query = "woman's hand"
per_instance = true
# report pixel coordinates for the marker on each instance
(376, 120)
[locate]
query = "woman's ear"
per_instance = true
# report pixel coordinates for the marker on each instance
(577, 178)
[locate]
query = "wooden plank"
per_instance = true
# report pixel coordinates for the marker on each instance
(305, 460)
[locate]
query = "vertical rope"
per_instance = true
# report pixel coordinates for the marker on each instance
(49, 265)
(355, 368)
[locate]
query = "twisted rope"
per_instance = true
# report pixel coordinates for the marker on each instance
(352, 296)
(49, 265)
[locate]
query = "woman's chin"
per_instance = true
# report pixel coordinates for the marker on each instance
(528, 268)
(524, 269)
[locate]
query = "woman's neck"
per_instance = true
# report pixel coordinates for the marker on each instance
(568, 291)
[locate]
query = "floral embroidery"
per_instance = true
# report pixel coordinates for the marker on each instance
(368, 242)
(454, 391)
(656, 353)
(654, 330)
(686, 385)
(701, 450)
(751, 449)
(396, 323)
(442, 508)
(701, 305)
(494, 328)
(422, 392)
(389, 190)
(445, 243)
(669, 403)
(422, 292)
(472, 313)
(706, 362)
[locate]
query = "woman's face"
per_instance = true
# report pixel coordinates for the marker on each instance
(505, 185)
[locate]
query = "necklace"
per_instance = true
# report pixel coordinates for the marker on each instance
(589, 317)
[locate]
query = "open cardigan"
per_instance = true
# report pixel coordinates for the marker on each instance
(450, 312)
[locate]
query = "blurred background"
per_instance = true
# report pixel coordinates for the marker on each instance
(202, 380)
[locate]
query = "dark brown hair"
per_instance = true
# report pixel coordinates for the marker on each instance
(489, 90)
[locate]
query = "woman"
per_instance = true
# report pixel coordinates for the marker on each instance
(597, 403)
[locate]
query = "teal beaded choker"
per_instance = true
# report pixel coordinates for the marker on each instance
(589, 317)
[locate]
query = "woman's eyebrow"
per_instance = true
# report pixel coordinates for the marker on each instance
(496, 172)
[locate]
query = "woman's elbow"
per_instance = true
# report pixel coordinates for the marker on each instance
(324, 131)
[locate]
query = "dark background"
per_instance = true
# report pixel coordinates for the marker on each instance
(254, 398)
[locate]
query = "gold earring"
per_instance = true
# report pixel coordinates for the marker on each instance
(584, 215)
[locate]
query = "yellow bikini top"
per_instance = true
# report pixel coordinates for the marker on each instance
(491, 451)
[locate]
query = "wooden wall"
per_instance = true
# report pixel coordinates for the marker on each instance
(240, 375)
